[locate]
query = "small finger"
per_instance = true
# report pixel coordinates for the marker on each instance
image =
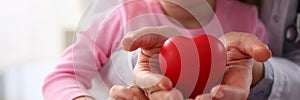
(137, 92)
(173, 94)
(120, 92)
(224, 92)
(204, 97)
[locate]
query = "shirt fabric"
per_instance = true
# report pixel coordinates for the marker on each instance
(97, 58)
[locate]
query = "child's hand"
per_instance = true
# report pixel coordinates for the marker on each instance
(118, 92)
(241, 49)
(146, 74)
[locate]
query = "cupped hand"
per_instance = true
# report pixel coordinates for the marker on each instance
(146, 73)
(244, 51)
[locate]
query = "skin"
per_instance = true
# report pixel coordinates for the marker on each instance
(184, 17)
(242, 51)
(245, 52)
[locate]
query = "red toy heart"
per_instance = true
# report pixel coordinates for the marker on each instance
(193, 65)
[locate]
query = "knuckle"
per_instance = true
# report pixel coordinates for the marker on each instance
(131, 88)
(116, 88)
(251, 36)
(134, 89)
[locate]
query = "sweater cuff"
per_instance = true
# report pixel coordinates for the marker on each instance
(262, 90)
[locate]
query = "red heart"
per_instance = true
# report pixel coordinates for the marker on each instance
(193, 65)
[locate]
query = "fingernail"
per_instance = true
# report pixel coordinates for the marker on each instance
(217, 94)
(135, 98)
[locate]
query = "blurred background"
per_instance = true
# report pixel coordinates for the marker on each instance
(33, 34)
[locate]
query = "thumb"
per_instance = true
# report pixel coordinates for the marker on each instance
(148, 37)
(248, 44)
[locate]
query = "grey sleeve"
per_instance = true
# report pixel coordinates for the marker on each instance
(281, 81)
(262, 90)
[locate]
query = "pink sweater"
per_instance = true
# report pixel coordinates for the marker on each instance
(84, 60)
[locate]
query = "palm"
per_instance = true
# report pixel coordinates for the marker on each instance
(242, 51)
(146, 74)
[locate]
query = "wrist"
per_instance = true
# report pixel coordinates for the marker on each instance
(257, 72)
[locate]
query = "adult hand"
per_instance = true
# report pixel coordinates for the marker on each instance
(244, 52)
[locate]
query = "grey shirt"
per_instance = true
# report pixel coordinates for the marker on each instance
(281, 81)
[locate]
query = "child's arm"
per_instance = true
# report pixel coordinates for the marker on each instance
(73, 74)
(81, 62)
